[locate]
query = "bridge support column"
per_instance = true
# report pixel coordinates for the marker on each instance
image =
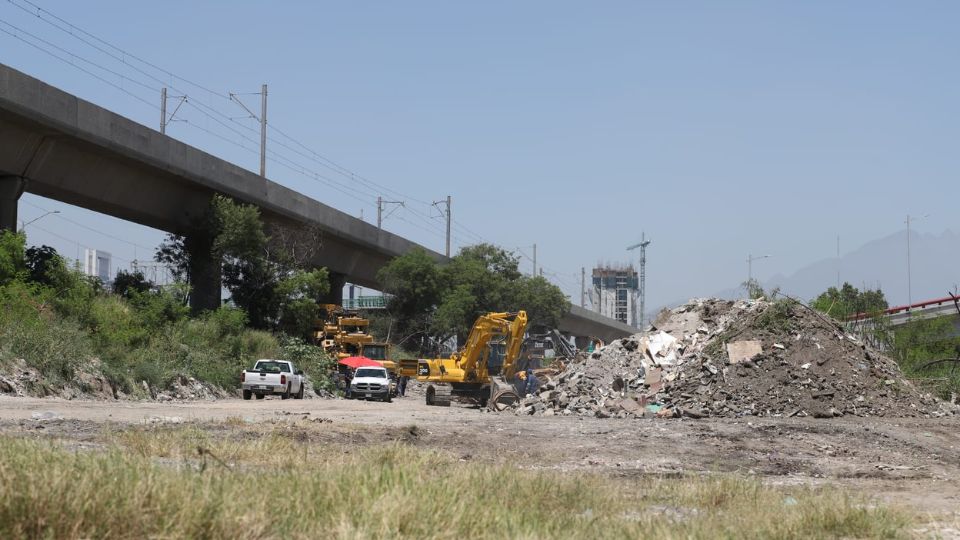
(205, 276)
(337, 282)
(11, 188)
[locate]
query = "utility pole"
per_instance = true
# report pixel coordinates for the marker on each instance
(909, 280)
(380, 205)
(534, 259)
(583, 287)
(263, 131)
(447, 214)
(163, 110)
(838, 262)
(263, 123)
(643, 274)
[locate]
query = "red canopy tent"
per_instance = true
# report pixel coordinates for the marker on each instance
(355, 362)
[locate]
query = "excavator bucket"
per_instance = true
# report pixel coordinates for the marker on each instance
(503, 395)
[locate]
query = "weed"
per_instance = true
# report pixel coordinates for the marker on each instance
(388, 491)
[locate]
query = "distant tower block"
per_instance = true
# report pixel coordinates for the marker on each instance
(96, 263)
(614, 293)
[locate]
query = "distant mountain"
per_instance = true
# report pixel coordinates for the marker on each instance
(935, 269)
(934, 262)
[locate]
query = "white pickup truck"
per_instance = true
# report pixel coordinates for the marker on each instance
(271, 377)
(370, 383)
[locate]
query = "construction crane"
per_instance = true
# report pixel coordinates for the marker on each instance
(643, 273)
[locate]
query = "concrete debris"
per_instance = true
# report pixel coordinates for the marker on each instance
(713, 357)
(190, 389)
(17, 378)
(741, 351)
(46, 416)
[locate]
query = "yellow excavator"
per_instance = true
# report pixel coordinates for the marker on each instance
(485, 370)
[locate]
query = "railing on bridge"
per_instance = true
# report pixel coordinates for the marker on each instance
(937, 302)
(365, 302)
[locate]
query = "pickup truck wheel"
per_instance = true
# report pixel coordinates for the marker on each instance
(286, 394)
(260, 396)
(300, 393)
(246, 394)
(388, 399)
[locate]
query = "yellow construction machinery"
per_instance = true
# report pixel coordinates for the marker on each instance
(341, 334)
(485, 370)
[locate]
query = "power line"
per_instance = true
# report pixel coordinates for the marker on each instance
(88, 72)
(126, 54)
(126, 59)
(77, 242)
(74, 30)
(82, 226)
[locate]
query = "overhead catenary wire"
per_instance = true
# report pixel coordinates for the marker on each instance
(362, 188)
(88, 72)
(209, 111)
(74, 30)
(77, 242)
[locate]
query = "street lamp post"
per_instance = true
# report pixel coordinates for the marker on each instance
(750, 259)
(24, 225)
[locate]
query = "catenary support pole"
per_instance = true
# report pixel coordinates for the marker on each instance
(263, 131)
(448, 225)
(163, 110)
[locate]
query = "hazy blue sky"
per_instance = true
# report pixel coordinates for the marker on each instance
(719, 128)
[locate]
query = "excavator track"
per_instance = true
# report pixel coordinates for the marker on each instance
(439, 395)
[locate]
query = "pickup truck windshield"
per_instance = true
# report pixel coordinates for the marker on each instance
(272, 367)
(371, 372)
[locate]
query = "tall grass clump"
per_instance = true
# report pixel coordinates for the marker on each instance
(206, 489)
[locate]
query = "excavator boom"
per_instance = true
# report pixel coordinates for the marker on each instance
(491, 350)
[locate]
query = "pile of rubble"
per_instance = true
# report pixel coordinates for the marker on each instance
(721, 358)
(187, 389)
(17, 378)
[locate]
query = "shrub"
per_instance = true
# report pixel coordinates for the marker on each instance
(29, 331)
(313, 360)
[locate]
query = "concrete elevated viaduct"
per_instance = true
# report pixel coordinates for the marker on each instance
(58, 146)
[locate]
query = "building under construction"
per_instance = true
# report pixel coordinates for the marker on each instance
(614, 293)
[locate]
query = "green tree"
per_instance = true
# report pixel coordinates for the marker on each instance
(848, 300)
(173, 253)
(264, 278)
(12, 256)
(444, 301)
(413, 282)
(543, 301)
(126, 283)
(477, 280)
(42, 264)
(300, 293)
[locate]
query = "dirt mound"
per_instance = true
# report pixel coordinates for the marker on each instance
(748, 358)
(19, 379)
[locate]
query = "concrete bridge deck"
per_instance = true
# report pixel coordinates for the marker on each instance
(58, 146)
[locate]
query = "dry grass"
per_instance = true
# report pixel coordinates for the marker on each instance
(155, 483)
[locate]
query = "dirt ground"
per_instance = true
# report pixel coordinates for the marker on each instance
(912, 462)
